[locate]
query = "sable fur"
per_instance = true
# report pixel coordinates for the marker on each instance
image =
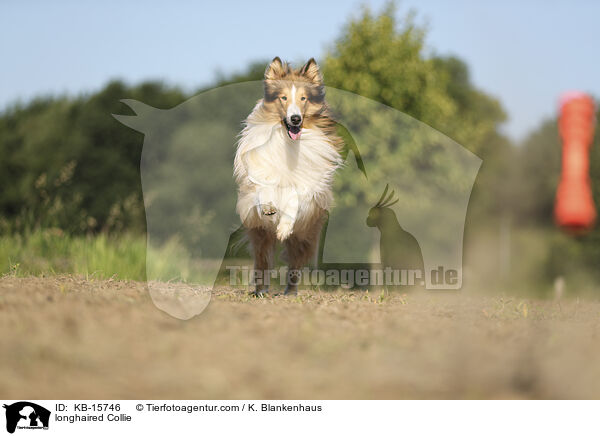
(284, 184)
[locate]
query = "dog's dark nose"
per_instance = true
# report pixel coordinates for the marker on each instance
(296, 120)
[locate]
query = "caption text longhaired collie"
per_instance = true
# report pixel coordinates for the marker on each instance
(286, 158)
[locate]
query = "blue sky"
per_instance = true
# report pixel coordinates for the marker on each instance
(524, 52)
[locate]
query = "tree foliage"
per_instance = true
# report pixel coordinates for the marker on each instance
(68, 163)
(383, 58)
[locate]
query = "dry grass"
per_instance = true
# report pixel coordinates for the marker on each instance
(66, 337)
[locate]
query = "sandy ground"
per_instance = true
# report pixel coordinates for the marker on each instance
(67, 337)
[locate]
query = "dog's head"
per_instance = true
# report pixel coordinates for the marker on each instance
(294, 97)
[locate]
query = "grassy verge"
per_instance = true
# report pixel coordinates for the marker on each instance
(538, 259)
(53, 252)
(123, 256)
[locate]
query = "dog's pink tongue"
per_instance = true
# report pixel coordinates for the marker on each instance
(295, 136)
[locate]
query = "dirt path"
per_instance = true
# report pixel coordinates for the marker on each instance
(67, 337)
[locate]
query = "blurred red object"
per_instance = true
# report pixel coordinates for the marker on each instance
(574, 209)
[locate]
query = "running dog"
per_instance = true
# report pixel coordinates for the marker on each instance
(284, 166)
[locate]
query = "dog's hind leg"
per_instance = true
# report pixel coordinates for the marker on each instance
(263, 244)
(299, 251)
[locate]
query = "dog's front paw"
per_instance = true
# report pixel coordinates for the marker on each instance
(268, 209)
(284, 229)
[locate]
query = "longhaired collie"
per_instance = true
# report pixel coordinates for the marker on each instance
(286, 158)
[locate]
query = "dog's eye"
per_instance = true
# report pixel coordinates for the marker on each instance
(303, 98)
(284, 98)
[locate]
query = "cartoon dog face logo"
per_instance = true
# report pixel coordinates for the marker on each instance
(24, 414)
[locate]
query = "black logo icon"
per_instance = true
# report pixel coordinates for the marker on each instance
(26, 415)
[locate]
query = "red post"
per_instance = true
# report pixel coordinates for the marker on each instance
(574, 209)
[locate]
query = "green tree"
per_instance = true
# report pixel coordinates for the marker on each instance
(68, 163)
(383, 58)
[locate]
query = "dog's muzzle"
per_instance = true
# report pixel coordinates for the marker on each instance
(294, 126)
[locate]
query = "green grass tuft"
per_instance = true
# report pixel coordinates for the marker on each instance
(51, 251)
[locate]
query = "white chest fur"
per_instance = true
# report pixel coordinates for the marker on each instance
(267, 157)
(294, 176)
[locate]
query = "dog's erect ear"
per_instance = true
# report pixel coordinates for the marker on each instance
(310, 70)
(275, 70)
